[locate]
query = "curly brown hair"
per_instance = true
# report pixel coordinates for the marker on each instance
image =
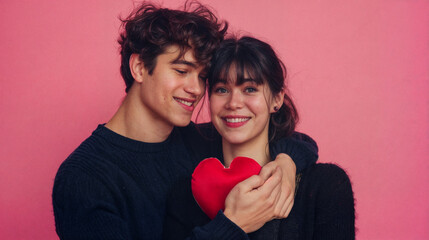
(150, 29)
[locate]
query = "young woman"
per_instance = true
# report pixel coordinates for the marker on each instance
(250, 108)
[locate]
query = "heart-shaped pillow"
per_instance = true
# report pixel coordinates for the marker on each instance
(211, 181)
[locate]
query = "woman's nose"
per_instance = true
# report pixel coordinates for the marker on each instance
(235, 100)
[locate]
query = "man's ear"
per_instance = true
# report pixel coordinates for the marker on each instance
(277, 102)
(137, 67)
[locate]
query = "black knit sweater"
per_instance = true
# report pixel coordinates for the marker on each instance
(113, 187)
(323, 209)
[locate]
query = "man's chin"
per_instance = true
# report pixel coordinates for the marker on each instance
(182, 123)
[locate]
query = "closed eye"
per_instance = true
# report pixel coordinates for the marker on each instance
(203, 77)
(180, 71)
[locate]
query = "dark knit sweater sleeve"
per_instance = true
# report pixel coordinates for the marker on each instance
(185, 220)
(300, 147)
(219, 228)
(335, 214)
(84, 208)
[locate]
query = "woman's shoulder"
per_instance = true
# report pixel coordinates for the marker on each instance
(327, 168)
(327, 177)
(324, 204)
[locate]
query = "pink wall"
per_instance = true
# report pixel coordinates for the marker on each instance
(359, 72)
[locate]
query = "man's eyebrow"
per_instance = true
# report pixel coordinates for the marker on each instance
(181, 61)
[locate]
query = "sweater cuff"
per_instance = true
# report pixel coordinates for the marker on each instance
(223, 228)
(300, 147)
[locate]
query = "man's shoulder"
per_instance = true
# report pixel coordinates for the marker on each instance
(87, 156)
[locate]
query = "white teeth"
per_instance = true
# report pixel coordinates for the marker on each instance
(236, 120)
(184, 102)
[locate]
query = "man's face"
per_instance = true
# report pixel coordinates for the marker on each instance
(175, 87)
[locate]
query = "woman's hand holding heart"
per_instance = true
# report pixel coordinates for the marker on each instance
(253, 202)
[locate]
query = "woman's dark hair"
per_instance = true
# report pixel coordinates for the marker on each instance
(258, 60)
(149, 30)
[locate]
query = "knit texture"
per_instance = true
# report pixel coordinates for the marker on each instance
(113, 187)
(323, 209)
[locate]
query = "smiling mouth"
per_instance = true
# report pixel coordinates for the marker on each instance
(236, 120)
(183, 101)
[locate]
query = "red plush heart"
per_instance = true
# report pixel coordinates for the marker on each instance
(211, 181)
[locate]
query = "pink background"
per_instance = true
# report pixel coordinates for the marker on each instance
(358, 71)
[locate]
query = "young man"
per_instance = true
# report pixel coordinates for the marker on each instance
(115, 184)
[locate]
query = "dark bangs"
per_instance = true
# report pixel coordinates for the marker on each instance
(238, 60)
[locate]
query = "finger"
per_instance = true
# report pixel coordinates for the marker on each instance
(277, 194)
(250, 183)
(285, 161)
(286, 196)
(285, 208)
(274, 200)
(288, 186)
(274, 181)
(267, 170)
(282, 204)
(288, 209)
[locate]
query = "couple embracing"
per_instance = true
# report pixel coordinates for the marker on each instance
(131, 178)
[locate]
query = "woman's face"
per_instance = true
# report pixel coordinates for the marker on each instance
(241, 113)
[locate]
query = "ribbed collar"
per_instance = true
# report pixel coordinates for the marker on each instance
(130, 144)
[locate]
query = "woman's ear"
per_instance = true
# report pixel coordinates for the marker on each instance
(137, 67)
(277, 102)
